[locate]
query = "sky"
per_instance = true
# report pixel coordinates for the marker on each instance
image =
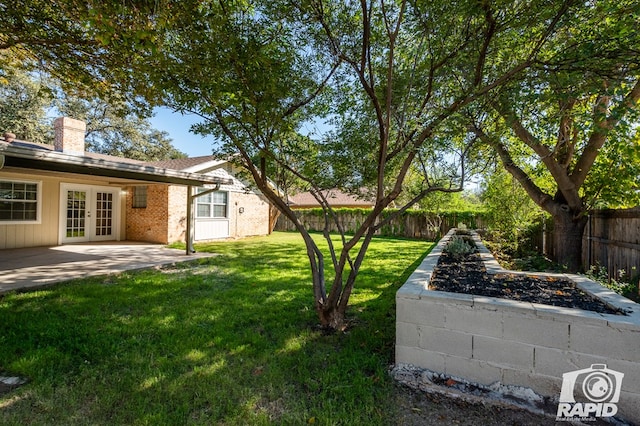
(177, 126)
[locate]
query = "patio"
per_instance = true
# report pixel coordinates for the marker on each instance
(35, 267)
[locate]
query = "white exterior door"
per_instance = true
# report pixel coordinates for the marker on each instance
(88, 213)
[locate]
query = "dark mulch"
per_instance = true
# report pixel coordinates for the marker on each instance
(467, 274)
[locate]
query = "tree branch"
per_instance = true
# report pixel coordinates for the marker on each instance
(601, 130)
(568, 189)
(537, 195)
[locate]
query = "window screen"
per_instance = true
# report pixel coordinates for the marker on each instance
(19, 201)
(139, 197)
(212, 205)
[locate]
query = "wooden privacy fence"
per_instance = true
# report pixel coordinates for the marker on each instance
(612, 239)
(413, 224)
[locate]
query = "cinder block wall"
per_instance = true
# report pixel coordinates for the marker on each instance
(487, 340)
(148, 224)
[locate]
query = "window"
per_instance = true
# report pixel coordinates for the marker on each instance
(212, 205)
(19, 201)
(139, 197)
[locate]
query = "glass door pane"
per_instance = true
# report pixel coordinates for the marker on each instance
(76, 214)
(104, 214)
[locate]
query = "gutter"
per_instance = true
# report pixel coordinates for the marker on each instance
(43, 159)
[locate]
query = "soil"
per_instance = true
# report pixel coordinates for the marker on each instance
(418, 408)
(467, 274)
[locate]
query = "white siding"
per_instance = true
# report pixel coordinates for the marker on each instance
(208, 229)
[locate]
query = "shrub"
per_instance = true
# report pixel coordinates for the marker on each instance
(459, 246)
(627, 285)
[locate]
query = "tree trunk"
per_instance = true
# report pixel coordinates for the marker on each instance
(331, 318)
(567, 240)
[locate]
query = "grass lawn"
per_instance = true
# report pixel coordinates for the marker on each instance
(226, 340)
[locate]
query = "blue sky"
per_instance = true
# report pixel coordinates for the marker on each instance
(177, 125)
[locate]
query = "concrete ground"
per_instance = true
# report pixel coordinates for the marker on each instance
(35, 267)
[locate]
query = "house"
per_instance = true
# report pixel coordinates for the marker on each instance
(233, 210)
(60, 194)
(335, 197)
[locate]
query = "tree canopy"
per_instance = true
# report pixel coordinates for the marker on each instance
(388, 75)
(23, 105)
(113, 126)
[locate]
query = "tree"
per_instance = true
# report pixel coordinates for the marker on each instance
(24, 101)
(87, 44)
(113, 127)
(574, 114)
(391, 73)
(510, 210)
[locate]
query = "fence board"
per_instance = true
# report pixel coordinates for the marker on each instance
(612, 239)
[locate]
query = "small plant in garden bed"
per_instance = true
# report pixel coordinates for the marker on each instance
(460, 245)
(625, 285)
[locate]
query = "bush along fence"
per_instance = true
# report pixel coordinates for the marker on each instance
(410, 224)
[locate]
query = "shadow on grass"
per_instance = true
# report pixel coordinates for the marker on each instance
(227, 339)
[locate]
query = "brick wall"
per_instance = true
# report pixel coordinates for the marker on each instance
(177, 218)
(254, 220)
(164, 220)
(149, 224)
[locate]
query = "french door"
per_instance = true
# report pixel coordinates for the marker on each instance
(88, 213)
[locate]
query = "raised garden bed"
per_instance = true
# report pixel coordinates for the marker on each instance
(466, 273)
(496, 340)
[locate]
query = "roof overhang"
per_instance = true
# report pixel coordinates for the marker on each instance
(27, 158)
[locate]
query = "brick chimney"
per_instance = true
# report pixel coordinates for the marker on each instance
(69, 135)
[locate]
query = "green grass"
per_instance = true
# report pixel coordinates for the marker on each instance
(226, 340)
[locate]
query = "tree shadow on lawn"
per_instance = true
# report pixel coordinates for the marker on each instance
(229, 338)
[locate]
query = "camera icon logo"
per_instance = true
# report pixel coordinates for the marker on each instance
(597, 384)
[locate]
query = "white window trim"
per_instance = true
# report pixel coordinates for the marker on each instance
(38, 220)
(211, 204)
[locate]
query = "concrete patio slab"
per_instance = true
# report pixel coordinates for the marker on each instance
(35, 267)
